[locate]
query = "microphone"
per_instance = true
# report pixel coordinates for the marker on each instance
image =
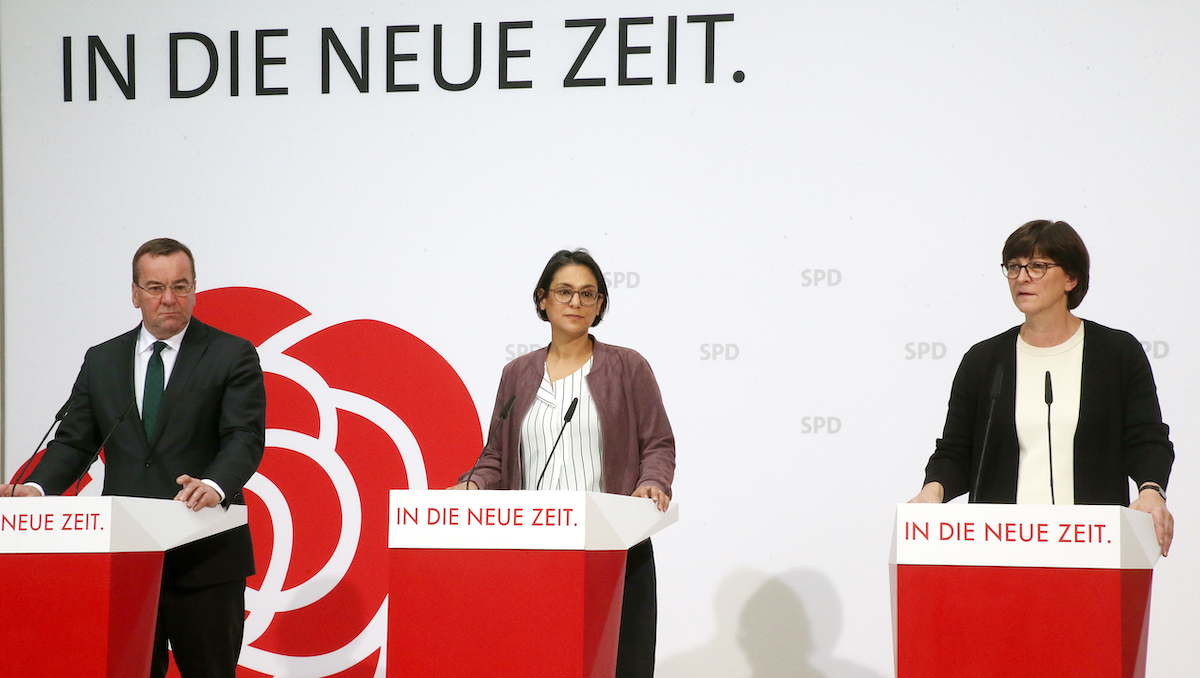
(62, 414)
(566, 420)
(105, 442)
(503, 415)
(1049, 438)
(997, 382)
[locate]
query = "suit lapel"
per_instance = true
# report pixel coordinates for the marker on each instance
(195, 343)
(127, 388)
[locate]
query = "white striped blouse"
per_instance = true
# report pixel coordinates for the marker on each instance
(576, 464)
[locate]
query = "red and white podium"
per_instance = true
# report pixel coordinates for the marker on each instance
(510, 583)
(81, 579)
(1018, 591)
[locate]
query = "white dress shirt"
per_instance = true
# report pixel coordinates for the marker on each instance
(141, 360)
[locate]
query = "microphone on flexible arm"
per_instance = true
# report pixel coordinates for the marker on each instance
(997, 382)
(503, 415)
(1049, 438)
(111, 431)
(566, 420)
(18, 478)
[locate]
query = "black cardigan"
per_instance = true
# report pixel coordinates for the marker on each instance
(1120, 432)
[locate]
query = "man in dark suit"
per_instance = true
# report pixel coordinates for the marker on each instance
(186, 408)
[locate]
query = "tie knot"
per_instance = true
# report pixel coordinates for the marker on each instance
(159, 346)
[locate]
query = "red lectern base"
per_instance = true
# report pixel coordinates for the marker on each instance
(559, 613)
(75, 614)
(1066, 623)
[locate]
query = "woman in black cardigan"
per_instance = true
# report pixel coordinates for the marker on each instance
(1105, 422)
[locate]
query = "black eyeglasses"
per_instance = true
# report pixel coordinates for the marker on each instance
(1035, 269)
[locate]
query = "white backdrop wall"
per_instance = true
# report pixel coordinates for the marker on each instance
(829, 212)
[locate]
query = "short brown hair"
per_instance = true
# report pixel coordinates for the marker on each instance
(162, 247)
(1054, 240)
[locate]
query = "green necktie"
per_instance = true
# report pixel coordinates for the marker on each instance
(154, 388)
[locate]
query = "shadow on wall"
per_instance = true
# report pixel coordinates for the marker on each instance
(771, 627)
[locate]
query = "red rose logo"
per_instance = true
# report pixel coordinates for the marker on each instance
(354, 409)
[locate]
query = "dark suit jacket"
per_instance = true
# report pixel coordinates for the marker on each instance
(1120, 433)
(211, 424)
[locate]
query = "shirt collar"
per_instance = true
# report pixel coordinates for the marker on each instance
(146, 340)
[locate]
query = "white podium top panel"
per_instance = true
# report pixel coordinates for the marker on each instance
(528, 520)
(1023, 535)
(106, 524)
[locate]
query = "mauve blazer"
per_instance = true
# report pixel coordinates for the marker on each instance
(639, 447)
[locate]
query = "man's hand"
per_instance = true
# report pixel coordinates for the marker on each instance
(18, 491)
(469, 485)
(662, 499)
(196, 494)
(1150, 501)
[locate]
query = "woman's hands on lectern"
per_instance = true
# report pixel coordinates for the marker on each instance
(932, 493)
(1150, 501)
(662, 499)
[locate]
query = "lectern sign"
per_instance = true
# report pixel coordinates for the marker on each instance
(86, 524)
(520, 520)
(1024, 536)
(54, 526)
